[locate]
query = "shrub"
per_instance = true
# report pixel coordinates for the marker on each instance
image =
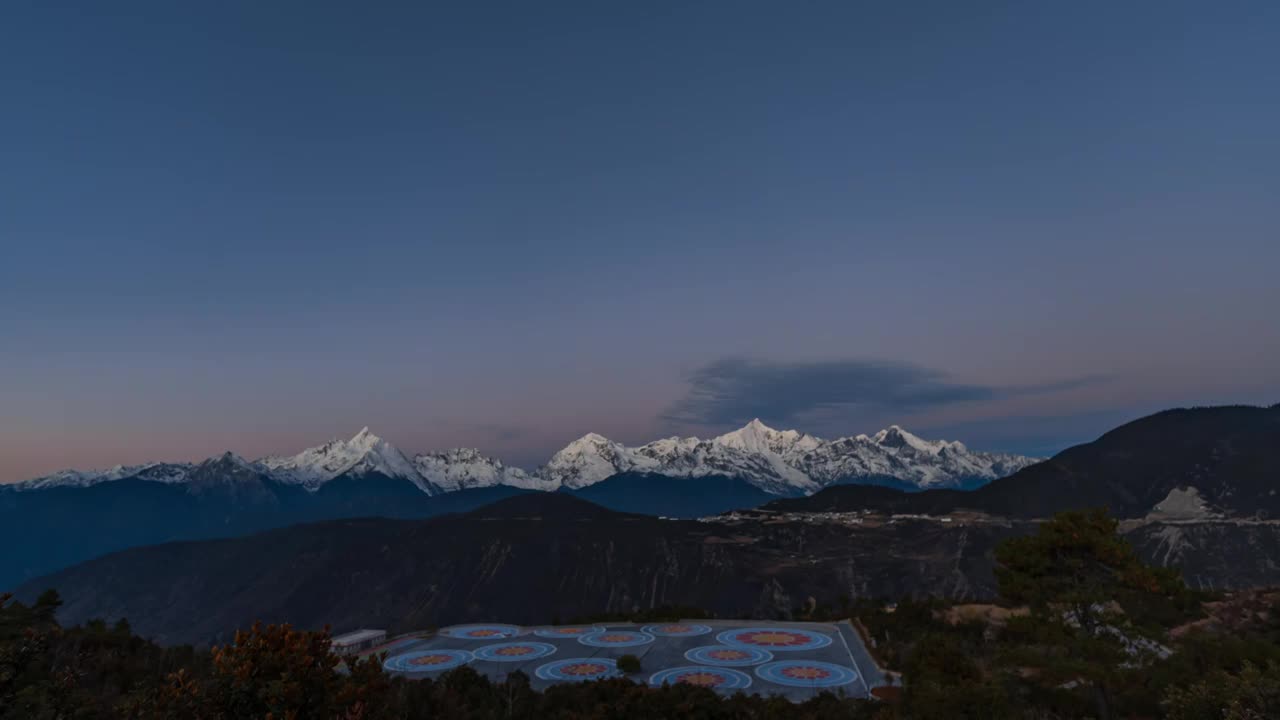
(629, 664)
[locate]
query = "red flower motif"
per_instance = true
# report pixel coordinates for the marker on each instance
(805, 672)
(704, 679)
(431, 660)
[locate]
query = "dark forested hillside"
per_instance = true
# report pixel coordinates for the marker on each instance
(49, 529)
(538, 556)
(52, 528)
(653, 494)
(44, 530)
(524, 559)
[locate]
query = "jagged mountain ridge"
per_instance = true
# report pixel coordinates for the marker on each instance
(1227, 455)
(158, 472)
(779, 462)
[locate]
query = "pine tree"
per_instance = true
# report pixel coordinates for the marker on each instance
(1084, 585)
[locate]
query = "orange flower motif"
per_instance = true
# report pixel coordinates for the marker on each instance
(431, 660)
(806, 673)
(580, 669)
(773, 638)
(704, 679)
(514, 650)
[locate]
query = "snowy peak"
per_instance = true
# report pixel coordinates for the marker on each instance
(228, 458)
(590, 459)
(227, 462)
(786, 462)
(753, 453)
(362, 455)
(229, 474)
(896, 455)
(897, 438)
(157, 472)
(756, 437)
(466, 468)
(781, 462)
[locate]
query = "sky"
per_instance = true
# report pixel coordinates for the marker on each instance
(257, 226)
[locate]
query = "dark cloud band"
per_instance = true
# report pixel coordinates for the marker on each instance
(731, 391)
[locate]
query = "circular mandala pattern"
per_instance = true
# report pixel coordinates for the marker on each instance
(616, 638)
(677, 630)
(427, 661)
(568, 631)
(578, 669)
(481, 632)
(716, 678)
(806, 673)
(728, 656)
(774, 638)
(514, 651)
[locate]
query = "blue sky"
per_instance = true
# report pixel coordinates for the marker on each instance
(259, 225)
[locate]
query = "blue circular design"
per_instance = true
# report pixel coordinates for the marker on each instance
(514, 651)
(716, 678)
(616, 638)
(482, 632)
(728, 656)
(427, 661)
(565, 632)
(578, 669)
(801, 639)
(806, 673)
(677, 630)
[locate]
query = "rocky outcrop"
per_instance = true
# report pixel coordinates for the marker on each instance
(1213, 554)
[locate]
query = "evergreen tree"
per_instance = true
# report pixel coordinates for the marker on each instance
(1252, 694)
(629, 664)
(1086, 589)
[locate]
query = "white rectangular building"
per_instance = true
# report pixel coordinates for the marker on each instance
(358, 641)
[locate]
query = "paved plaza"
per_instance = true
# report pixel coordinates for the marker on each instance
(796, 660)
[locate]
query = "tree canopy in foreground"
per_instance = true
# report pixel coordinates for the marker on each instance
(1083, 630)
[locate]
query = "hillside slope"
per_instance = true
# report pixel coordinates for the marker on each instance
(57, 527)
(1230, 455)
(537, 557)
(527, 559)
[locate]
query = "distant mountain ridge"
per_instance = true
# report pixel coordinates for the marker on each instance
(778, 462)
(1225, 460)
(1194, 487)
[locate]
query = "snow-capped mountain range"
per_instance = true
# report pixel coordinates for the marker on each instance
(780, 462)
